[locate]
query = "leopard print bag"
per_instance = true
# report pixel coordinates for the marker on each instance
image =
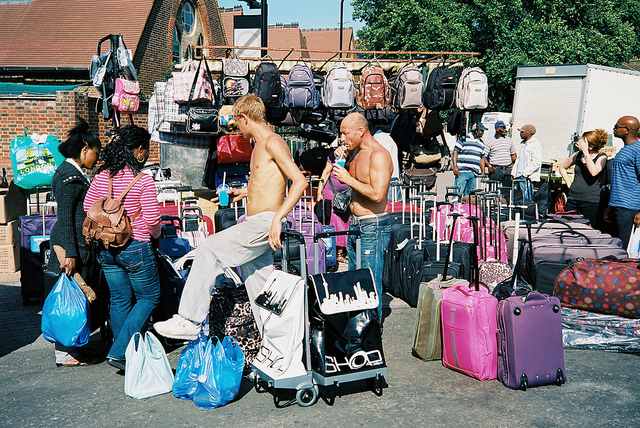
(230, 315)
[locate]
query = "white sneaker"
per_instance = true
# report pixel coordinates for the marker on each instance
(178, 327)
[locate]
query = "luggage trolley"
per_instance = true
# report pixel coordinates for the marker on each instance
(372, 375)
(307, 385)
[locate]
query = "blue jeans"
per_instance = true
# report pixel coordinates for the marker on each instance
(526, 187)
(466, 181)
(395, 192)
(132, 276)
(374, 245)
(625, 224)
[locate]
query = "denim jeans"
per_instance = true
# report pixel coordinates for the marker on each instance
(625, 224)
(466, 182)
(374, 245)
(132, 276)
(526, 186)
(395, 192)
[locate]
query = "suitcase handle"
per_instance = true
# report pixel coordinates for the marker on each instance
(572, 232)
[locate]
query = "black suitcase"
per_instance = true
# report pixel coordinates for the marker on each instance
(224, 218)
(31, 277)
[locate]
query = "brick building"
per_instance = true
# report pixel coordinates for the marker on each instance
(51, 42)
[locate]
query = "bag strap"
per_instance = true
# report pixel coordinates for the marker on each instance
(195, 80)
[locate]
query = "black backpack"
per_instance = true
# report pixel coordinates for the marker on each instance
(440, 93)
(266, 85)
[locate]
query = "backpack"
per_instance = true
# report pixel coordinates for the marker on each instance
(301, 90)
(472, 91)
(266, 85)
(408, 88)
(339, 90)
(374, 92)
(107, 220)
(440, 93)
(126, 97)
(235, 77)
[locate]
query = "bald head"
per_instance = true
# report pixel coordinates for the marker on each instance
(356, 120)
(626, 128)
(354, 130)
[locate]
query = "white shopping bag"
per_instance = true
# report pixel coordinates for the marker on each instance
(633, 248)
(282, 337)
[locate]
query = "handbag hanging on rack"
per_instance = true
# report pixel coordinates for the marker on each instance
(201, 120)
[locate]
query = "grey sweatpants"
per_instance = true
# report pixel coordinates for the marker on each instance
(245, 245)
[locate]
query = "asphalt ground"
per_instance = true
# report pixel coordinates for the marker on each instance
(601, 390)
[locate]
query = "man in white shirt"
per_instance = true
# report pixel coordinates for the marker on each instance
(529, 162)
(386, 141)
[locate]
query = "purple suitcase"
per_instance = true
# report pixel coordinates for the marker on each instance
(530, 341)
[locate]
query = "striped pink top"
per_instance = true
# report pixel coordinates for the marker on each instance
(142, 194)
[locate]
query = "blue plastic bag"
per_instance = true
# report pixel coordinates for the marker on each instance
(65, 314)
(188, 370)
(34, 159)
(220, 373)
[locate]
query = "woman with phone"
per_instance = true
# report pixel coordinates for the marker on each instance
(584, 191)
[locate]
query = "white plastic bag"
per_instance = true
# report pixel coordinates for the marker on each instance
(147, 372)
(633, 248)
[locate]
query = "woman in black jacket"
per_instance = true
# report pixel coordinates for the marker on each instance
(70, 251)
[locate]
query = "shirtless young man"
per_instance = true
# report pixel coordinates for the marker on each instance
(368, 175)
(249, 244)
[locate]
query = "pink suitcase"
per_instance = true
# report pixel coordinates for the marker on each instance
(469, 326)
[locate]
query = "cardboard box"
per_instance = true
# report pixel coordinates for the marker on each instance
(9, 233)
(13, 203)
(208, 208)
(9, 258)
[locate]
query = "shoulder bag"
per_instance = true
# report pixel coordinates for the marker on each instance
(341, 200)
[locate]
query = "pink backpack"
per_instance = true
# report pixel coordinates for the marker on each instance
(126, 97)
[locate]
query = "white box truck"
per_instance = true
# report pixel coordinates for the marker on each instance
(563, 101)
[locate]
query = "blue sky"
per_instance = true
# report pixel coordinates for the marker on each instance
(308, 13)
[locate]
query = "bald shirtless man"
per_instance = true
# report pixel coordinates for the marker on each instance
(249, 244)
(368, 175)
(625, 179)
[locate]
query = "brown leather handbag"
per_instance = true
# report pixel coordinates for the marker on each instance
(107, 220)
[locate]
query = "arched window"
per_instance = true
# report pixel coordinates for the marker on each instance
(188, 18)
(198, 52)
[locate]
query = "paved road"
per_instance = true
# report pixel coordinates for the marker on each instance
(602, 390)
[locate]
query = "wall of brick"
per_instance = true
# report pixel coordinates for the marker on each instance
(56, 114)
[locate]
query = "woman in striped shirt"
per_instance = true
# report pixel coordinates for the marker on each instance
(130, 271)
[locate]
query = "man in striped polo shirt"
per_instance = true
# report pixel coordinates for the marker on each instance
(625, 178)
(466, 157)
(499, 154)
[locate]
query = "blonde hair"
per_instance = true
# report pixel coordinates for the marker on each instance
(596, 139)
(252, 106)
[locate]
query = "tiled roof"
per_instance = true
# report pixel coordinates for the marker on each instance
(46, 33)
(286, 38)
(327, 40)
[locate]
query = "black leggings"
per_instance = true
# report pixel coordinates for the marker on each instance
(587, 209)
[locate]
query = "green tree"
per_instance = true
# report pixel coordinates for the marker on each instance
(507, 33)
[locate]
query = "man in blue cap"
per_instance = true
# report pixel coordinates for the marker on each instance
(499, 154)
(466, 158)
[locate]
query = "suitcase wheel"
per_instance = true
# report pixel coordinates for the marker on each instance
(524, 382)
(559, 377)
(516, 312)
(556, 309)
(375, 384)
(307, 397)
